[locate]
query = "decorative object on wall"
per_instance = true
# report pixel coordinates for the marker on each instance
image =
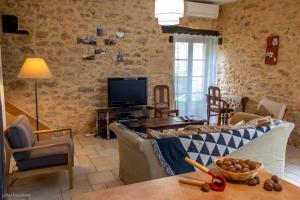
(272, 50)
(89, 57)
(100, 31)
(120, 56)
(100, 52)
(10, 25)
(120, 35)
(87, 40)
(92, 40)
(109, 42)
(82, 40)
(168, 12)
(97, 50)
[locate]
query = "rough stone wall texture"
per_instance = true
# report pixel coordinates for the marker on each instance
(245, 25)
(78, 87)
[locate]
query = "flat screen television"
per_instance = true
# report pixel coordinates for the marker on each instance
(129, 91)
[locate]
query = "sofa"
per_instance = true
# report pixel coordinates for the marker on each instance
(138, 161)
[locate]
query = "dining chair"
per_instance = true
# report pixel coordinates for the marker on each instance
(162, 102)
(216, 106)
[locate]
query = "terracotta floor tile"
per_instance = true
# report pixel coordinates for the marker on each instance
(114, 183)
(84, 169)
(101, 177)
(116, 172)
(100, 186)
(83, 160)
(106, 167)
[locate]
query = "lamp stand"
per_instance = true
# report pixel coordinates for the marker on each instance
(36, 106)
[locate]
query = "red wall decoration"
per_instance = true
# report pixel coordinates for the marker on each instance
(272, 50)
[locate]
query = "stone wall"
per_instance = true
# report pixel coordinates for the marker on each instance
(78, 87)
(245, 26)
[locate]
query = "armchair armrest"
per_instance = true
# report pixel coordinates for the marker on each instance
(55, 130)
(65, 143)
(16, 150)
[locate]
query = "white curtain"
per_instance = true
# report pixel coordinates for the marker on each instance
(195, 68)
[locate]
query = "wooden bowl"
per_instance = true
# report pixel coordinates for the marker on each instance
(238, 176)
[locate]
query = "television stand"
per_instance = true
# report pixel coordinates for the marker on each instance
(128, 115)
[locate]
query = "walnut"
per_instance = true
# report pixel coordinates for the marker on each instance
(277, 187)
(246, 170)
(219, 162)
(244, 165)
(270, 181)
(238, 167)
(205, 187)
(257, 179)
(252, 165)
(275, 179)
(228, 162)
(252, 182)
(268, 186)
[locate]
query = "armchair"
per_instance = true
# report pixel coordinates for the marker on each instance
(36, 157)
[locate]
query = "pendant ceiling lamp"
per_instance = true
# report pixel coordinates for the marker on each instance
(168, 12)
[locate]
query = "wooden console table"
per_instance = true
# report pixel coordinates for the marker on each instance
(170, 189)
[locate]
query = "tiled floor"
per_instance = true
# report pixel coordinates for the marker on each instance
(96, 168)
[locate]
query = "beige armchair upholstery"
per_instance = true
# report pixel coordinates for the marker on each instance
(138, 161)
(275, 108)
(242, 116)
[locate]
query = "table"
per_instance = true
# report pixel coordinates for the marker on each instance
(168, 123)
(170, 189)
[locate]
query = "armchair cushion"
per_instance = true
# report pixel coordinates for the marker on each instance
(46, 157)
(261, 110)
(20, 135)
(275, 108)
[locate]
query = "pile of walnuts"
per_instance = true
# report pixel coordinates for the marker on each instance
(236, 165)
(273, 184)
(269, 184)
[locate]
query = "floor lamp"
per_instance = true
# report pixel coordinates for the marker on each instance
(35, 68)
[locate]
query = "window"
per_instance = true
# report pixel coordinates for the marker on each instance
(194, 71)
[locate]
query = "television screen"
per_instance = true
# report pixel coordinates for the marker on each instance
(127, 91)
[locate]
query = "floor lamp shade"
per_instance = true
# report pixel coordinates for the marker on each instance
(34, 68)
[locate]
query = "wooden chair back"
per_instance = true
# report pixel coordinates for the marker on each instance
(214, 96)
(161, 96)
